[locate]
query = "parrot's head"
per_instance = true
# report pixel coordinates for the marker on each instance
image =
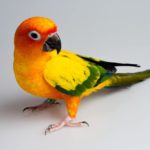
(37, 35)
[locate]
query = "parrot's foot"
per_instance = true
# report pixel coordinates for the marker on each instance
(66, 122)
(45, 104)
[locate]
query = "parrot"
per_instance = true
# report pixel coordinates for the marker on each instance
(42, 68)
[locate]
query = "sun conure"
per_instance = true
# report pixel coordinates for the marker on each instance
(43, 69)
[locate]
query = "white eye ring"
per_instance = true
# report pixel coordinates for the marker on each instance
(34, 35)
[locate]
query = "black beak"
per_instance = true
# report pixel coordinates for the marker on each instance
(52, 43)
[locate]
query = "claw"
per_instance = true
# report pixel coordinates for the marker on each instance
(48, 129)
(29, 108)
(26, 108)
(45, 104)
(66, 122)
(86, 123)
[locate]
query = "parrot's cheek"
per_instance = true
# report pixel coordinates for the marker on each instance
(53, 42)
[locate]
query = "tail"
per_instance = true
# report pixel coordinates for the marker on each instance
(119, 80)
(126, 79)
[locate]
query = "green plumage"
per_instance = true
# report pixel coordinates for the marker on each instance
(125, 79)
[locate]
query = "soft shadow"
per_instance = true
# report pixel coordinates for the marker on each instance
(12, 106)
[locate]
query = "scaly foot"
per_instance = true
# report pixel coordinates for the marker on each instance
(45, 104)
(66, 122)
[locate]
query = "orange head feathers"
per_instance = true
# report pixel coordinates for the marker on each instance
(36, 35)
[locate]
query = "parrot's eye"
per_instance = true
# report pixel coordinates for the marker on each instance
(34, 35)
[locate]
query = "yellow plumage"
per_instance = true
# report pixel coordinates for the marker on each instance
(66, 70)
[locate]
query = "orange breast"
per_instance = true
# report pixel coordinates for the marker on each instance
(29, 76)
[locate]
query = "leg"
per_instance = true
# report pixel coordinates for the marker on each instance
(72, 106)
(45, 104)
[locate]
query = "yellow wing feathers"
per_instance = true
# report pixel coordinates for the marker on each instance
(66, 70)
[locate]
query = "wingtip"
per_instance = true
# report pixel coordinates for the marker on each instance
(137, 65)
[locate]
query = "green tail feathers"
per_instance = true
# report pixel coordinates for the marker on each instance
(126, 79)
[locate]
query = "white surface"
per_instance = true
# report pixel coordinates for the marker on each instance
(115, 30)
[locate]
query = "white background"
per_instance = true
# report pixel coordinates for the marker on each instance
(114, 30)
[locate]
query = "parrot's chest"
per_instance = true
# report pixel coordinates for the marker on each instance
(31, 80)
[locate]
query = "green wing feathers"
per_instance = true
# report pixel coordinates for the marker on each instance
(125, 79)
